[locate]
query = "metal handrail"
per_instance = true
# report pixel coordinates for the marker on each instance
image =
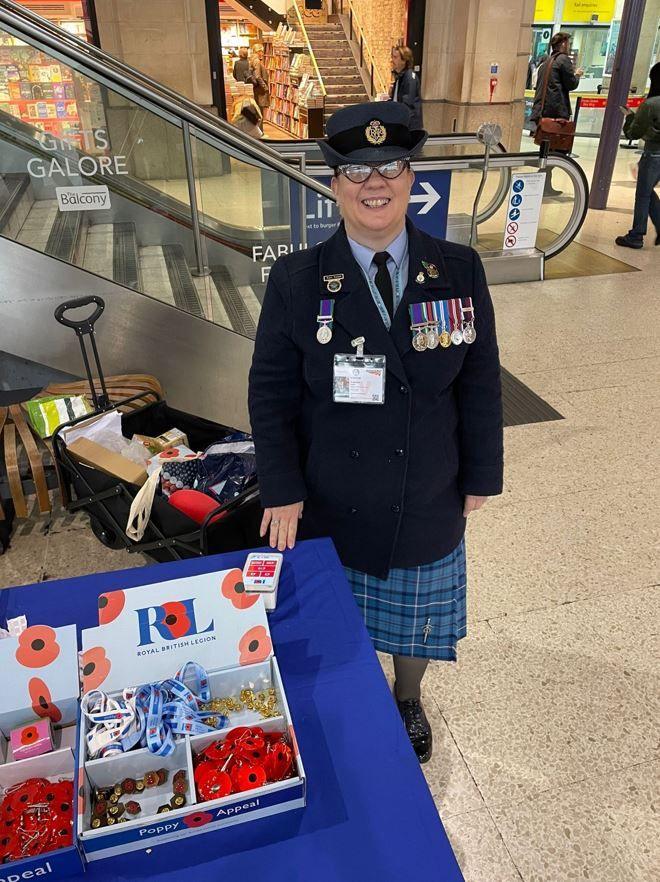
(364, 44)
(309, 47)
(120, 76)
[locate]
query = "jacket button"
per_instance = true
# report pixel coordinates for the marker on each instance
(355, 453)
(403, 390)
(398, 452)
(396, 509)
(352, 511)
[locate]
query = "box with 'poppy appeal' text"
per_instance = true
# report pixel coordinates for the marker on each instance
(147, 635)
(37, 806)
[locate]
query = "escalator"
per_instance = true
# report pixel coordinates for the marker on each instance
(175, 218)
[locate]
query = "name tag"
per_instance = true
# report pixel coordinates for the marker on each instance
(359, 379)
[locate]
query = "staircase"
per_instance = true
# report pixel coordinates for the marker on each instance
(113, 251)
(337, 66)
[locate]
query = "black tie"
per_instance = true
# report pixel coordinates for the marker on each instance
(384, 281)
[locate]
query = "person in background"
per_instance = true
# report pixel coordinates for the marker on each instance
(562, 80)
(258, 76)
(241, 66)
(406, 87)
(645, 125)
(248, 118)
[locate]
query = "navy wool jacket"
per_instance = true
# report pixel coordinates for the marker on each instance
(385, 482)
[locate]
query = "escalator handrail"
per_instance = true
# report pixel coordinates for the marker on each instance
(121, 75)
(218, 130)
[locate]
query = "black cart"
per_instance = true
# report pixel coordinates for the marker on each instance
(170, 534)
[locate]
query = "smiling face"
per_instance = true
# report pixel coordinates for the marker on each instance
(374, 212)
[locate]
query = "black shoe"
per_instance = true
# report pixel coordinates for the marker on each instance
(628, 242)
(417, 727)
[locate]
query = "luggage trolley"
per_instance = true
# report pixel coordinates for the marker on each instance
(170, 534)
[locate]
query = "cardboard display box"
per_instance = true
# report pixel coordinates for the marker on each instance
(146, 635)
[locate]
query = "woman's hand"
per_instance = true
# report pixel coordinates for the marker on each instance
(472, 503)
(283, 522)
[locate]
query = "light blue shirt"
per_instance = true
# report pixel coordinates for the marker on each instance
(398, 251)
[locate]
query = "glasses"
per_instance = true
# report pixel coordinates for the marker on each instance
(358, 174)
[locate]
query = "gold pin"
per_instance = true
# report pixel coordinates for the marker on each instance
(431, 269)
(421, 278)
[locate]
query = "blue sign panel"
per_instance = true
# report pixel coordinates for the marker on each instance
(428, 209)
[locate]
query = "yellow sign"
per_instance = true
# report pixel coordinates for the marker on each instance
(544, 10)
(600, 11)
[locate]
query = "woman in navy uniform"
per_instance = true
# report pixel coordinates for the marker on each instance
(392, 483)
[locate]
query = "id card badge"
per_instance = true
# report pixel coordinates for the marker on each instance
(359, 379)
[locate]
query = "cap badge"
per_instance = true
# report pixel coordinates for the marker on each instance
(375, 132)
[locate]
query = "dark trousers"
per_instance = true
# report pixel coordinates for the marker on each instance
(647, 203)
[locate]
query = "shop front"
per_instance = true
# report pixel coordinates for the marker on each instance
(46, 95)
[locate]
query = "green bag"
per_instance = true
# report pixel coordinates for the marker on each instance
(46, 414)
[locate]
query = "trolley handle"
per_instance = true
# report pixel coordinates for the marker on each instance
(85, 325)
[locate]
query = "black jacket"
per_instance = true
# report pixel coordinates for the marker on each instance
(557, 104)
(241, 70)
(408, 93)
(385, 482)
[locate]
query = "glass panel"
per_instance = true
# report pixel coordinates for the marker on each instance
(554, 215)
(90, 176)
(250, 215)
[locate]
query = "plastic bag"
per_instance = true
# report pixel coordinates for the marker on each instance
(227, 468)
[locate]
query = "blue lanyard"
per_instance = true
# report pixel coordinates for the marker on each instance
(378, 300)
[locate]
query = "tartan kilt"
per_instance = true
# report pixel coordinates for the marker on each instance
(417, 611)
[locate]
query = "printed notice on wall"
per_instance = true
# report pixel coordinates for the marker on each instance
(83, 198)
(523, 210)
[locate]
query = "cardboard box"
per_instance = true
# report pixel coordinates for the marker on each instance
(39, 677)
(58, 765)
(146, 635)
(92, 454)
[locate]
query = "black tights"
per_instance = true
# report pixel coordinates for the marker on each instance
(408, 676)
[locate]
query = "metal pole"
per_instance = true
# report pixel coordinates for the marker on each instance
(624, 60)
(484, 175)
(202, 269)
(303, 204)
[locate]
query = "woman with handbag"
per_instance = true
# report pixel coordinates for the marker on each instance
(258, 76)
(552, 103)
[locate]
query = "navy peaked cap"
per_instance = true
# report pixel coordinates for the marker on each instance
(375, 132)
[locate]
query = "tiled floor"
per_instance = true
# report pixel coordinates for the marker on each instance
(546, 730)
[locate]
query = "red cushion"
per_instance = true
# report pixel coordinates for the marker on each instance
(195, 504)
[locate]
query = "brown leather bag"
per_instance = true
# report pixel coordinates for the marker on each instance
(559, 132)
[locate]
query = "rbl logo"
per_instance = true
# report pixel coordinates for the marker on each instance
(171, 621)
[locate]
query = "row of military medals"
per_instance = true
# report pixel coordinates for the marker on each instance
(455, 320)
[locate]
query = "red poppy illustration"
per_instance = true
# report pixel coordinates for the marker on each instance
(29, 735)
(176, 619)
(199, 819)
(234, 589)
(254, 646)
(169, 454)
(42, 703)
(37, 647)
(94, 668)
(110, 606)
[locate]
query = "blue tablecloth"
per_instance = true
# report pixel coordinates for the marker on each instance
(369, 813)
